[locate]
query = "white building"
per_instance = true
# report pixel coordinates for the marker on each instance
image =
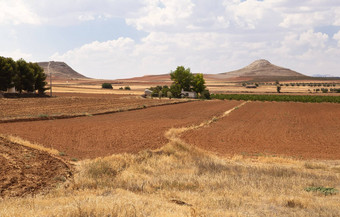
(188, 94)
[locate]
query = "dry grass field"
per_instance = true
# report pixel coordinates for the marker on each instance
(181, 180)
(200, 158)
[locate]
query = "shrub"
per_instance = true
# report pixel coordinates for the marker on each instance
(169, 94)
(127, 88)
(205, 95)
(323, 190)
(121, 88)
(107, 86)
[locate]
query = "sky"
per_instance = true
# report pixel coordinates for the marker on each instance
(113, 39)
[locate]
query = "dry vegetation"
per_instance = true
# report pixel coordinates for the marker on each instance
(181, 180)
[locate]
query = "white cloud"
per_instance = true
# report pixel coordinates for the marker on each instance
(337, 37)
(17, 12)
(17, 54)
(160, 13)
(208, 36)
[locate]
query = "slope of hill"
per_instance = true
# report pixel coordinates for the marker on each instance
(261, 68)
(60, 70)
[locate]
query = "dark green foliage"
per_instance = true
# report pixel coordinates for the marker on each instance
(182, 77)
(26, 73)
(198, 83)
(278, 88)
(127, 88)
(176, 89)
(324, 90)
(205, 94)
(39, 78)
(323, 190)
(121, 88)
(21, 74)
(8, 68)
(107, 86)
(278, 98)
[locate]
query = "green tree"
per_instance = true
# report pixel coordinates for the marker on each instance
(24, 79)
(39, 78)
(198, 83)
(8, 69)
(182, 78)
(176, 89)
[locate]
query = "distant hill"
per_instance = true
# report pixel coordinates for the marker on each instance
(60, 70)
(261, 68)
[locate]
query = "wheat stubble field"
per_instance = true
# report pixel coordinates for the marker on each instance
(201, 158)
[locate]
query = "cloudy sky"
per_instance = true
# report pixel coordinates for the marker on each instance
(128, 38)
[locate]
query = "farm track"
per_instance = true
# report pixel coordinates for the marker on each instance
(302, 130)
(103, 135)
(28, 171)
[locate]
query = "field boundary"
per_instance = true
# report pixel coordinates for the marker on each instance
(173, 134)
(56, 117)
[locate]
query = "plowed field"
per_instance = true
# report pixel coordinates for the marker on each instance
(72, 104)
(306, 130)
(133, 131)
(26, 170)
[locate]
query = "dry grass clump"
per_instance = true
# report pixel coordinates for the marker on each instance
(180, 180)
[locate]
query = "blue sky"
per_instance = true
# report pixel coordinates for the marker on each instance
(122, 39)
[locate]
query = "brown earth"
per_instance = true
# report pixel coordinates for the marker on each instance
(133, 131)
(304, 130)
(73, 104)
(27, 171)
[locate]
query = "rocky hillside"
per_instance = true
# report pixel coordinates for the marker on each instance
(60, 70)
(261, 68)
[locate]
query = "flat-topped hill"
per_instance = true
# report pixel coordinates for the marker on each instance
(60, 70)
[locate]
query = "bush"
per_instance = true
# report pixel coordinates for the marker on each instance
(121, 88)
(127, 88)
(205, 94)
(169, 94)
(107, 86)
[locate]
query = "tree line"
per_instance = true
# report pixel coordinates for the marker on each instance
(24, 76)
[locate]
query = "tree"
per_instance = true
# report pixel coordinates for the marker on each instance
(39, 78)
(182, 77)
(198, 83)
(24, 79)
(176, 89)
(8, 68)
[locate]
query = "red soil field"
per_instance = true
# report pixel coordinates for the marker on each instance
(133, 131)
(26, 170)
(307, 130)
(72, 104)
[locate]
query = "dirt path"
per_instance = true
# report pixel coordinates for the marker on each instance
(27, 171)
